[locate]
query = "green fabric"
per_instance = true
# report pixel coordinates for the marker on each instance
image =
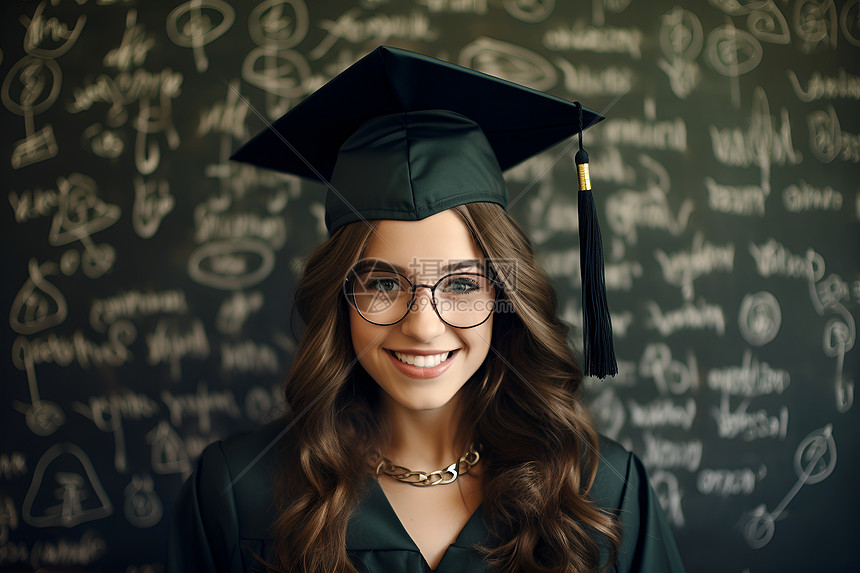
(223, 512)
(408, 166)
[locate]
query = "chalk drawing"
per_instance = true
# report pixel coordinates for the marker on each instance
(80, 493)
(759, 318)
(193, 25)
(814, 461)
(142, 505)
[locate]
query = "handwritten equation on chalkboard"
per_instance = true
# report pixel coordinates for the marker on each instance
(149, 279)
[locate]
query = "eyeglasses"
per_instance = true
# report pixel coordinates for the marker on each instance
(383, 297)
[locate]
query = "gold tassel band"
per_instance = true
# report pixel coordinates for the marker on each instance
(584, 178)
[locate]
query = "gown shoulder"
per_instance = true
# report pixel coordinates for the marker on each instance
(223, 514)
(621, 487)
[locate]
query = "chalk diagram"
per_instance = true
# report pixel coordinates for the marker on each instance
(814, 461)
(142, 505)
(78, 490)
(168, 450)
(197, 23)
(759, 318)
(81, 214)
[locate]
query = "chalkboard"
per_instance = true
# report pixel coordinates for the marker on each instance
(149, 280)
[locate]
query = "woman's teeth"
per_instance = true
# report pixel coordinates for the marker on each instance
(422, 361)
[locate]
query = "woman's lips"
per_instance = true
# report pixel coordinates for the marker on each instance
(418, 371)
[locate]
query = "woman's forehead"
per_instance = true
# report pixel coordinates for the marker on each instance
(440, 239)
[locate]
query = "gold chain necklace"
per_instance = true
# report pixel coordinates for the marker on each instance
(422, 479)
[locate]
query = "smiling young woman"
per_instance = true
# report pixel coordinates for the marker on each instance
(511, 388)
(435, 419)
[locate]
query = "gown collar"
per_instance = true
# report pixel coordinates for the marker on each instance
(375, 526)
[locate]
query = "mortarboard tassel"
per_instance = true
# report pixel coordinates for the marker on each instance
(596, 322)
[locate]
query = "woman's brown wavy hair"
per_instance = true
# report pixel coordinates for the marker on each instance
(539, 445)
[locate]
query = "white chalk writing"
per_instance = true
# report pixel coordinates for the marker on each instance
(170, 342)
(133, 48)
(667, 134)
(107, 413)
(670, 375)
(602, 40)
(152, 202)
(820, 86)
(378, 27)
(125, 88)
(683, 267)
(725, 482)
(249, 356)
(736, 199)
(201, 405)
(107, 410)
(65, 350)
(691, 316)
(40, 29)
(662, 412)
(132, 304)
(763, 143)
(63, 552)
(607, 80)
(749, 425)
(32, 203)
(610, 166)
(456, 6)
(235, 311)
(628, 210)
(662, 453)
(773, 259)
(752, 378)
(237, 225)
(803, 197)
(226, 117)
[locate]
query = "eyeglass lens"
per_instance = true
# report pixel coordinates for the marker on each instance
(383, 297)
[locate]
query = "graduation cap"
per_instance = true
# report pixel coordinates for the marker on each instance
(399, 135)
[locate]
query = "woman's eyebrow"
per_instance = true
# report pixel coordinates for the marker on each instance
(427, 266)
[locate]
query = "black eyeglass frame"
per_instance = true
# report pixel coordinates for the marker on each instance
(351, 299)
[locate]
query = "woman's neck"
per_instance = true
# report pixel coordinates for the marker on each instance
(423, 440)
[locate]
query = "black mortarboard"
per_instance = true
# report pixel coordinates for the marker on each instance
(399, 135)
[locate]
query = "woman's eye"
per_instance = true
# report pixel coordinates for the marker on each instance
(385, 285)
(461, 285)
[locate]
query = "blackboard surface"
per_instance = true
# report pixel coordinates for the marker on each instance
(148, 280)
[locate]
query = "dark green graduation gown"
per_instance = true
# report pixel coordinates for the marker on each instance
(223, 513)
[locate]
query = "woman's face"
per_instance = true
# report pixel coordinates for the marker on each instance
(422, 248)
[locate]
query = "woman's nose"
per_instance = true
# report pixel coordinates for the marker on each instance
(422, 322)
